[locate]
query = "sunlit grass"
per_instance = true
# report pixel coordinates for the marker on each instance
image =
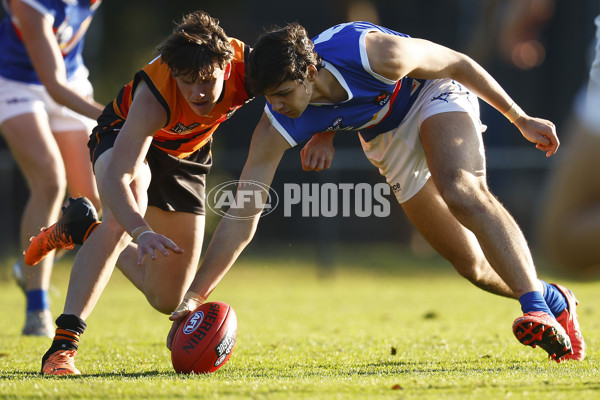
(379, 324)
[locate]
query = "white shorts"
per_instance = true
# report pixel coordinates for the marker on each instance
(18, 98)
(399, 153)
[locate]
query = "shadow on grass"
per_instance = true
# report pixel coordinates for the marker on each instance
(399, 369)
(26, 375)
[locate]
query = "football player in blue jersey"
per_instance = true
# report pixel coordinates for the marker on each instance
(47, 112)
(415, 106)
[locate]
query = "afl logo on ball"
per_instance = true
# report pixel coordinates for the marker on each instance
(193, 322)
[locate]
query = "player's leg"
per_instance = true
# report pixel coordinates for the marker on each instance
(72, 132)
(454, 150)
(165, 280)
(430, 215)
(35, 151)
(92, 268)
(95, 260)
(80, 215)
(76, 158)
(179, 185)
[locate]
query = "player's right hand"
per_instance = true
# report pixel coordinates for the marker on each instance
(150, 242)
(187, 306)
(539, 131)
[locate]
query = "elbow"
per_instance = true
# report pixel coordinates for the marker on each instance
(464, 68)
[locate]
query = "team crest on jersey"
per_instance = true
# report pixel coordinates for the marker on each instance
(180, 128)
(336, 124)
(415, 86)
(382, 98)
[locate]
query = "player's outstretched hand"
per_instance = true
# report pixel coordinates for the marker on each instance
(318, 152)
(150, 242)
(539, 131)
(178, 316)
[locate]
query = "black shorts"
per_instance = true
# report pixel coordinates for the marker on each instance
(177, 184)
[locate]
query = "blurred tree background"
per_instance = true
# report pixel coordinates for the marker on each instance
(537, 50)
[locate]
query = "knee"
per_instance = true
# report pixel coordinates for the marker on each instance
(162, 302)
(111, 231)
(50, 183)
(466, 197)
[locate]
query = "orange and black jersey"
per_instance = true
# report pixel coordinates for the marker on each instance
(185, 131)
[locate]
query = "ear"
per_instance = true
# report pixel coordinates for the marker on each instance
(312, 72)
(227, 71)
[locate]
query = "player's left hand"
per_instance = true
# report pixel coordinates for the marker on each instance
(151, 242)
(318, 152)
(539, 131)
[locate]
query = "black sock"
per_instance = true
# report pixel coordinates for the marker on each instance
(69, 328)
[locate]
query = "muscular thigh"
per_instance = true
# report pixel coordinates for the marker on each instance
(172, 275)
(453, 147)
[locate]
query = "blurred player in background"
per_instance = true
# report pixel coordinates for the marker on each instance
(416, 108)
(570, 221)
(47, 112)
(151, 151)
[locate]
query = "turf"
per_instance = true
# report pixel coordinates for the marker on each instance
(379, 324)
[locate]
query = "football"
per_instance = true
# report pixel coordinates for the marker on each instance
(204, 341)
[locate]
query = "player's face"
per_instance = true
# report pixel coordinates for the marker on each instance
(290, 98)
(203, 93)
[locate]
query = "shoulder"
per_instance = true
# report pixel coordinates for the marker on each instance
(156, 71)
(48, 9)
(240, 56)
(241, 51)
(145, 97)
(239, 64)
(350, 31)
(239, 48)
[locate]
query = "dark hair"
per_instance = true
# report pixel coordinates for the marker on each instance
(280, 55)
(195, 44)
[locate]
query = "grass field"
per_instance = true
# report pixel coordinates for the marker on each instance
(381, 325)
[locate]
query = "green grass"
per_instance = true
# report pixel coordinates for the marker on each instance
(305, 334)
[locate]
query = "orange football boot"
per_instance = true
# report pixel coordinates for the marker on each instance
(78, 220)
(61, 362)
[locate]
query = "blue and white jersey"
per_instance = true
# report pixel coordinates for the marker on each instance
(374, 103)
(70, 20)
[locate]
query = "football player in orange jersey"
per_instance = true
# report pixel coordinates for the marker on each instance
(151, 152)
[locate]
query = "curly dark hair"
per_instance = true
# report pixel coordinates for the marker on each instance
(279, 55)
(195, 44)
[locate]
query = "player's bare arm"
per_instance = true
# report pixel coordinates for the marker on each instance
(46, 57)
(233, 234)
(146, 116)
(395, 57)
